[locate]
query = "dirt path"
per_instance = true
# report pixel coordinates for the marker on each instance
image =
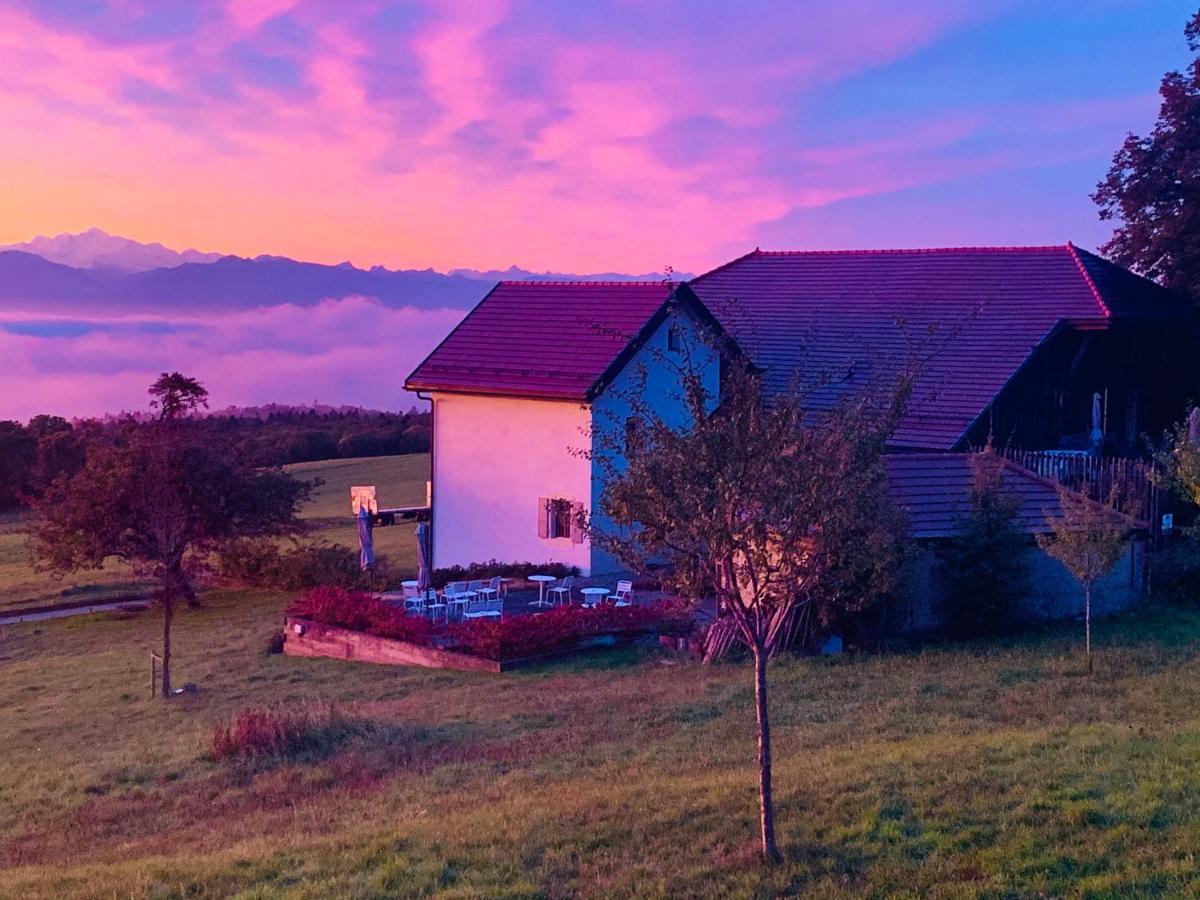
(13, 618)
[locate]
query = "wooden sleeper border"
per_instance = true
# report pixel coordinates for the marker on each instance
(304, 637)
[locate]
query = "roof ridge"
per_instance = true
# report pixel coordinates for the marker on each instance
(580, 281)
(1039, 248)
(1089, 281)
(733, 262)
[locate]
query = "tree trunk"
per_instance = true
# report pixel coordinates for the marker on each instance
(766, 803)
(168, 602)
(1087, 624)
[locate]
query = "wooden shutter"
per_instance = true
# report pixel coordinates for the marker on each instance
(578, 529)
(543, 517)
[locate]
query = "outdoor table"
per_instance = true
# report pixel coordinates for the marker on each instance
(410, 584)
(592, 596)
(504, 583)
(542, 581)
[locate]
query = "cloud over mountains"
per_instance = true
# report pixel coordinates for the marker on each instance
(87, 340)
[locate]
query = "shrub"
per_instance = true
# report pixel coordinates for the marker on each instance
(260, 563)
(984, 566)
(357, 611)
(484, 570)
(280, 732)
(1177, 572)
(561, 628)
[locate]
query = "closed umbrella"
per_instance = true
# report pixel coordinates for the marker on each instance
(366, 539)
(422, 556)
(1097, 433)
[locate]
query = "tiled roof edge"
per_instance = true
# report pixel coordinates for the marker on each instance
(1087, 278)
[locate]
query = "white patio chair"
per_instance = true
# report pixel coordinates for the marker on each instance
(623, 595)
(491, 590)
(413, 601)
(435, 606)
(562, 592)
(457, 596)
(478, 609)
(496, 605)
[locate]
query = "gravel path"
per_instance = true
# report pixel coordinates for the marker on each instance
(13, 619)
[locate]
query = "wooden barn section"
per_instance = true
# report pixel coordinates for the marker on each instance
(934, 489)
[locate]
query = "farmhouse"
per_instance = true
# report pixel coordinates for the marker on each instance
(1042, 348)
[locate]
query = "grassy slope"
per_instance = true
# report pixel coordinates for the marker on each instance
(401, 482)
(994, 771)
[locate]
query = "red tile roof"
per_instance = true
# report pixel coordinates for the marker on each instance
(934, 489)
(551, 340)
(976, 315)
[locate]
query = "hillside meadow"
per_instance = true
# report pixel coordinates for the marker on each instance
(400, 479)
(971, 770)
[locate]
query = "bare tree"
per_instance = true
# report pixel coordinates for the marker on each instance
(757, 501)
(1089, 539)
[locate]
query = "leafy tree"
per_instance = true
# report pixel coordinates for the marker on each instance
(161, 498)
(1179, 458)
(1089, 539)
(18, 451)
(983, 566)
(1153, 187)
(757, 504)
(175, 395)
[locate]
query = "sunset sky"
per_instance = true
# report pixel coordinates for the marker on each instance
(553, 135)
(567, 135)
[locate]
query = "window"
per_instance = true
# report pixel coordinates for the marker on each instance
(560, 518)
(674, 339)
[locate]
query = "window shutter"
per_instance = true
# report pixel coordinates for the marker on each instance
(543, 517)
(578, 531)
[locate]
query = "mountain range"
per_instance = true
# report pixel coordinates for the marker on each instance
(93, 272)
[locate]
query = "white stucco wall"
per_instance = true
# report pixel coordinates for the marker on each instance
(493, 457)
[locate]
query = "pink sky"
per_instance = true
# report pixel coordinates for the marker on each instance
(620, 135)
(557, 135)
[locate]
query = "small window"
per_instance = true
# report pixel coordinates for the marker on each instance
(560, 518)
(674, 339)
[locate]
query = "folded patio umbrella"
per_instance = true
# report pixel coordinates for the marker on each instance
(1097, 432)
(422, 556)
(366, 539)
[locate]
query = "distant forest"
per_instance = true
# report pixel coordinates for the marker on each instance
(33, 454)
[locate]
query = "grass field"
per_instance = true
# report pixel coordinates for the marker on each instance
(962, 771)
(992, 770)
(400, 479)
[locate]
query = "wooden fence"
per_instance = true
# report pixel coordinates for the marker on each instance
(1135, 481)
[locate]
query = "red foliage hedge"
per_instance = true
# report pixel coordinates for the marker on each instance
(357, 611)
(562, 627)
(514, 637)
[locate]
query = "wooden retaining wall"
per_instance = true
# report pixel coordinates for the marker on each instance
(303, 637)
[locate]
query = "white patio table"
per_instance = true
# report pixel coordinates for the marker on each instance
(542, 581)
(593, 596)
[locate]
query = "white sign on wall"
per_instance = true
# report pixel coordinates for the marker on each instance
(363, 495)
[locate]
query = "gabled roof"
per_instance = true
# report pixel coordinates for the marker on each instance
(974, 315)
(934, 489)
(549, 340)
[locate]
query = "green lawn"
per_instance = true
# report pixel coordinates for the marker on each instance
(400, 479)
(979, 770)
